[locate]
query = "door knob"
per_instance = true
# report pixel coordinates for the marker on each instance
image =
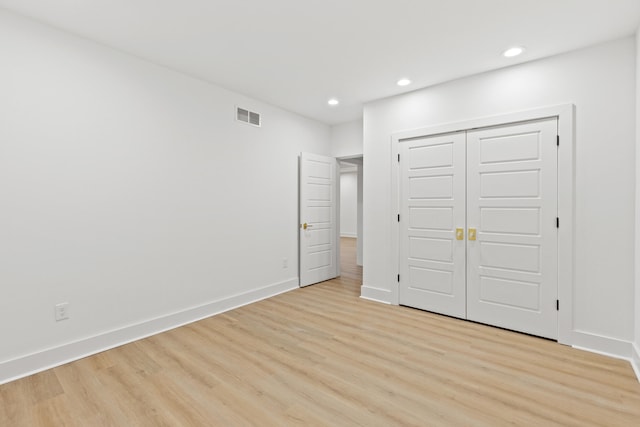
(459, 233)
(472, 234)
(305, 226)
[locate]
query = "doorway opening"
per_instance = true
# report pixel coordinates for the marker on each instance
(330, 215)
(350, 216)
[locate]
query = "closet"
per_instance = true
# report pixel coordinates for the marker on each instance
(478, 225)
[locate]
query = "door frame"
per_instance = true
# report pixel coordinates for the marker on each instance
(565, 113)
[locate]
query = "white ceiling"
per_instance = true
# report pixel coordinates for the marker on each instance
(296, 54)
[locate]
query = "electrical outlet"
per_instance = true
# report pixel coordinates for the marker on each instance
(285, 263)
(62, 311)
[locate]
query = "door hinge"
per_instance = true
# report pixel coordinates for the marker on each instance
(557, 222)
(558, 140)
(398, 156)
(398, 217)
(398, 278)
(557, 305)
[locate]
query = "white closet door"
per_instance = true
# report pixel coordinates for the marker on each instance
(512, 276)
(432, 207)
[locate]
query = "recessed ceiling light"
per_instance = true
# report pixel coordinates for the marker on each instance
(404, 82)
(333, 102)
(513, 51)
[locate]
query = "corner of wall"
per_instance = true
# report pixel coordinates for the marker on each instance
(375, 294)
(635, 359)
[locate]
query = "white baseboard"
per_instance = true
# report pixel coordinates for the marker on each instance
(351, 235)
(607, 346)
(635, 359)
(56, 356)
(376, 294)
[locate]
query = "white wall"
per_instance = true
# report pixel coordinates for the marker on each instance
(346, 139)
(129, 191)
(600, 81)
(636, 348)
(349, 203)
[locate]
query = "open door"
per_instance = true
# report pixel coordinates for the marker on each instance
(319, 230)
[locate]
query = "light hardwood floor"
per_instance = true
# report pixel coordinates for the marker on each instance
(322, 356)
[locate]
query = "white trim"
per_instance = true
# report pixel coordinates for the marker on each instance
(566, 199)
(612, 347)
(635, 359)
(348, 169)
(37, 362)
(393, 215)
(351, 235)
(376, 294)
(336, 215)
(566, 213)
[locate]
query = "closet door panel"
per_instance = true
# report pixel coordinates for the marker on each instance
(432, 207)
(512, 205)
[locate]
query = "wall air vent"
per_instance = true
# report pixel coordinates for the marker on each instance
(249, 117)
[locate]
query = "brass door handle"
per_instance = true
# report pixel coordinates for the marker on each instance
(459, 233)
(305, 226)
(472, 234)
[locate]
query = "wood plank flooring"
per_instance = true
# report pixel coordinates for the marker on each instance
(322, 356)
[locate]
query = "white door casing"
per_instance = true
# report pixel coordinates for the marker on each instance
(432, 194)
(318, 244)
(512, 272)
(512, 267)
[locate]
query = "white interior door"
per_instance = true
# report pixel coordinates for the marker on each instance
(432, 224)
(319, 247)
(512, 278)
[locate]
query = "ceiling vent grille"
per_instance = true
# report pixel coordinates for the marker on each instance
(249, 117)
